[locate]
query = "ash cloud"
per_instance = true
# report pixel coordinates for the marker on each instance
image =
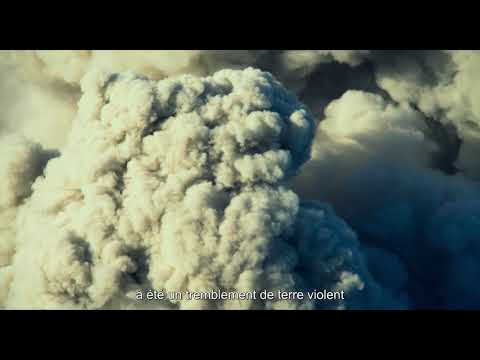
(190, 170)
(186, 177)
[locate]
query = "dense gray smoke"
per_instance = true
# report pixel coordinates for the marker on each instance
(401, 170)
(124, 171)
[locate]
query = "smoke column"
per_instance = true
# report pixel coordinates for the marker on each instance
(123, 171)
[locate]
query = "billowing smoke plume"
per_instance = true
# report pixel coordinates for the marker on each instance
(376, 162)
(443, 85)
(179, 185)
(124, 171)
(33, 81)
(22, 161)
